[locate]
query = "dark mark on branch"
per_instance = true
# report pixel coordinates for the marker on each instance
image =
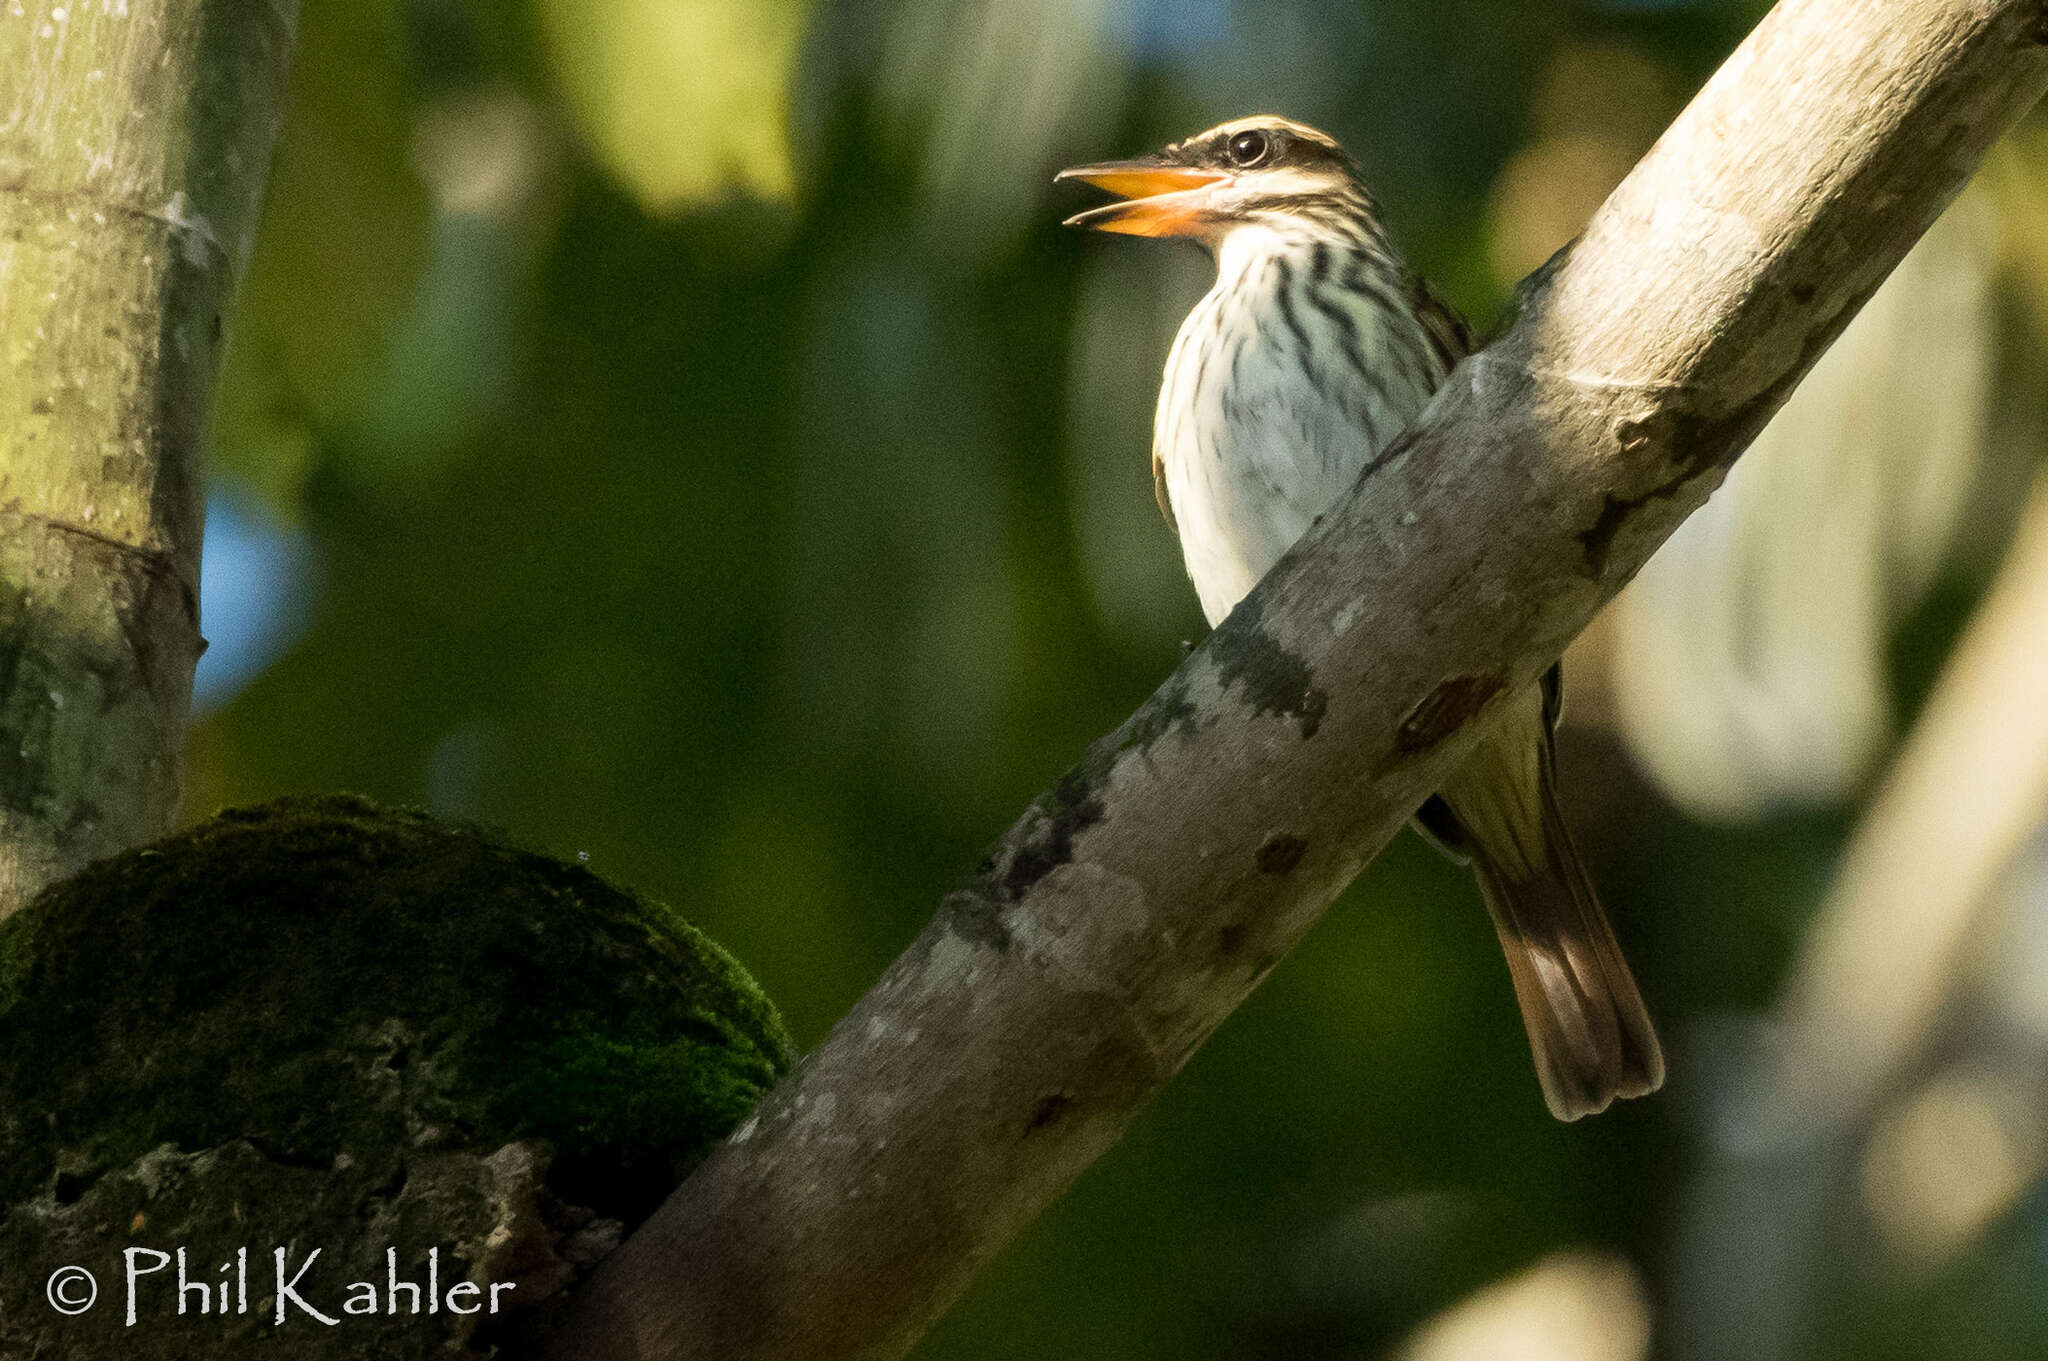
(1700, 444)
(1043, 838)
(1269, 677)
(1638, 433)
(1230, 940)
(1050, 1111)
(1167, 710)
(974, 917)
(1446, 710)
(1598, 539)
(1398, 446)
(1281, 854)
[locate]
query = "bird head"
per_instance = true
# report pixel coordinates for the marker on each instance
(1254, 171)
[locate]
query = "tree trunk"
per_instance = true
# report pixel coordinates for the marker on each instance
(135, 136)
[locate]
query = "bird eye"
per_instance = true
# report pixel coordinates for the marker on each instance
(1249, 148)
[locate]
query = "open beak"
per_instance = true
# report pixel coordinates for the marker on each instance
(1160, 198)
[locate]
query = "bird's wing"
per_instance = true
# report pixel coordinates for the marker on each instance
(1448, 334)
(1159, 492)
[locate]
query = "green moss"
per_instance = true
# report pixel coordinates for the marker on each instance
(323, 978)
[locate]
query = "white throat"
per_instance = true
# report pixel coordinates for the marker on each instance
(1249, 247)
(1300, 363)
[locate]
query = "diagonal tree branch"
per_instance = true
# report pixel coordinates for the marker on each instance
(134, 143)
(1132, 908)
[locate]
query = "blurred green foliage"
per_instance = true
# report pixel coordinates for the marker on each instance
(688, 405)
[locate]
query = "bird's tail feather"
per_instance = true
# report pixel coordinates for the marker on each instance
(1588, 1028)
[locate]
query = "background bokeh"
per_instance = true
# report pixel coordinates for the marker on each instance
(678, 432)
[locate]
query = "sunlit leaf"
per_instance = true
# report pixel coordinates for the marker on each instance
(683, 101)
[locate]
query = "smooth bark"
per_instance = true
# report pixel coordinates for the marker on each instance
(134, 140)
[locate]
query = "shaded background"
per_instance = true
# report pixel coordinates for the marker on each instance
(677, 432)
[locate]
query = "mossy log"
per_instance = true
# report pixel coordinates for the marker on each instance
(320, 1025)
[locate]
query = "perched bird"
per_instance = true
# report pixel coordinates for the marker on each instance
(1313, 350)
